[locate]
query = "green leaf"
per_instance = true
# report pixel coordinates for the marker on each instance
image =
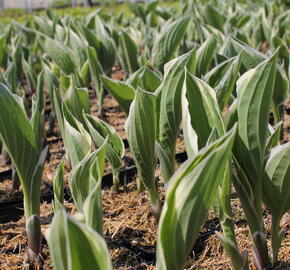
(78, 46)
(140, 128)
(107, 49)
(205, 55)
(76, 139)
(276, 184)
(18, 137)
(239, 261)
(255, 90)
(37, 114)
(93, 208)
(121, 91)
(170, 111)
(86, 175)
(65, 238)
(129, 52)
(77, 100)
(145, 78)
(100, 131)
(200, 113)
(168, 41)
(250, 58)
(190, 194)
(95, 71)
(60, 54)
(223, 79)
(58, 187)
(214, 17)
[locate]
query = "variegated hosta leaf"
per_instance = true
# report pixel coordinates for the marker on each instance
(95, 71)
(77, 101)
(214, 17)
(239, 261)
(37, 113)
(140, 128)
(170, 112)
(205, 55)
(223, 79)
(137, 9)
(86, 175)
(58, 188)
(65, 239)
(145, 78)
(200, 113)
(92, 208)
(251, 58)
(18, 137)
(107, 48)
(168, 41)
(99, 131)
(3, 54)
(77, 140)
(122, 92)
(276, 185)
(78, 46)
(30, 75)
(274, 136)
(129, 52)
(276, 196)
(255, 90)
(60, 54)
(190, 193)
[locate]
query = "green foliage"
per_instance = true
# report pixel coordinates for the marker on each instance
(141, 133)
(190, 193)
(66, 236)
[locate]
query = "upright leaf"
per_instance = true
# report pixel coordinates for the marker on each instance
(168, 41)
(66, 236)
(170, 111)
(199, 102)
(191, 192)
(141, 133)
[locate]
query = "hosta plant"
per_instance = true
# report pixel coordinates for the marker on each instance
(254, 96)
(85, 184)
(169, 110)
(66, 236)
(99, 131)
(19, 138)
(141, 133)
(191, 192)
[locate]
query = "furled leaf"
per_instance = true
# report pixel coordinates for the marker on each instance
(205, 55)
(99, 131)
(168, 41)
(145, 78)
(65, 238)
(255, 90)
(190, 193)
(58, 187)
(140, 128)
(276, 185)
(129, 52)
(170, 111)
(86, 175)
(199, 102)
(76, 139)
